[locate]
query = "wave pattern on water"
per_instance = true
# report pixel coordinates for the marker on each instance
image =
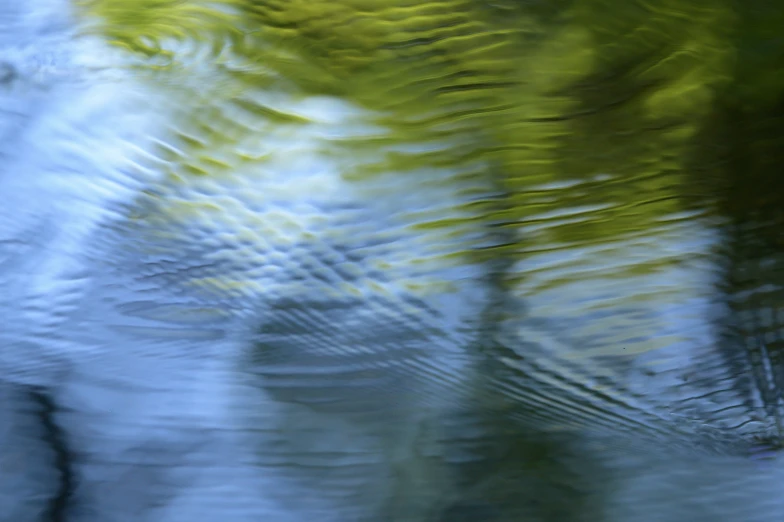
(390, 260)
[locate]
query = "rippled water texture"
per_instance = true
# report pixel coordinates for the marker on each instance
(391, 261)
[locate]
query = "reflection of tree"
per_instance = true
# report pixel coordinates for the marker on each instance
(628, 158)
(36, 469)
(55, 438)
(753, 182)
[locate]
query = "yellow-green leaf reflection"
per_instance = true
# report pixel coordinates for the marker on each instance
(471, 251)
